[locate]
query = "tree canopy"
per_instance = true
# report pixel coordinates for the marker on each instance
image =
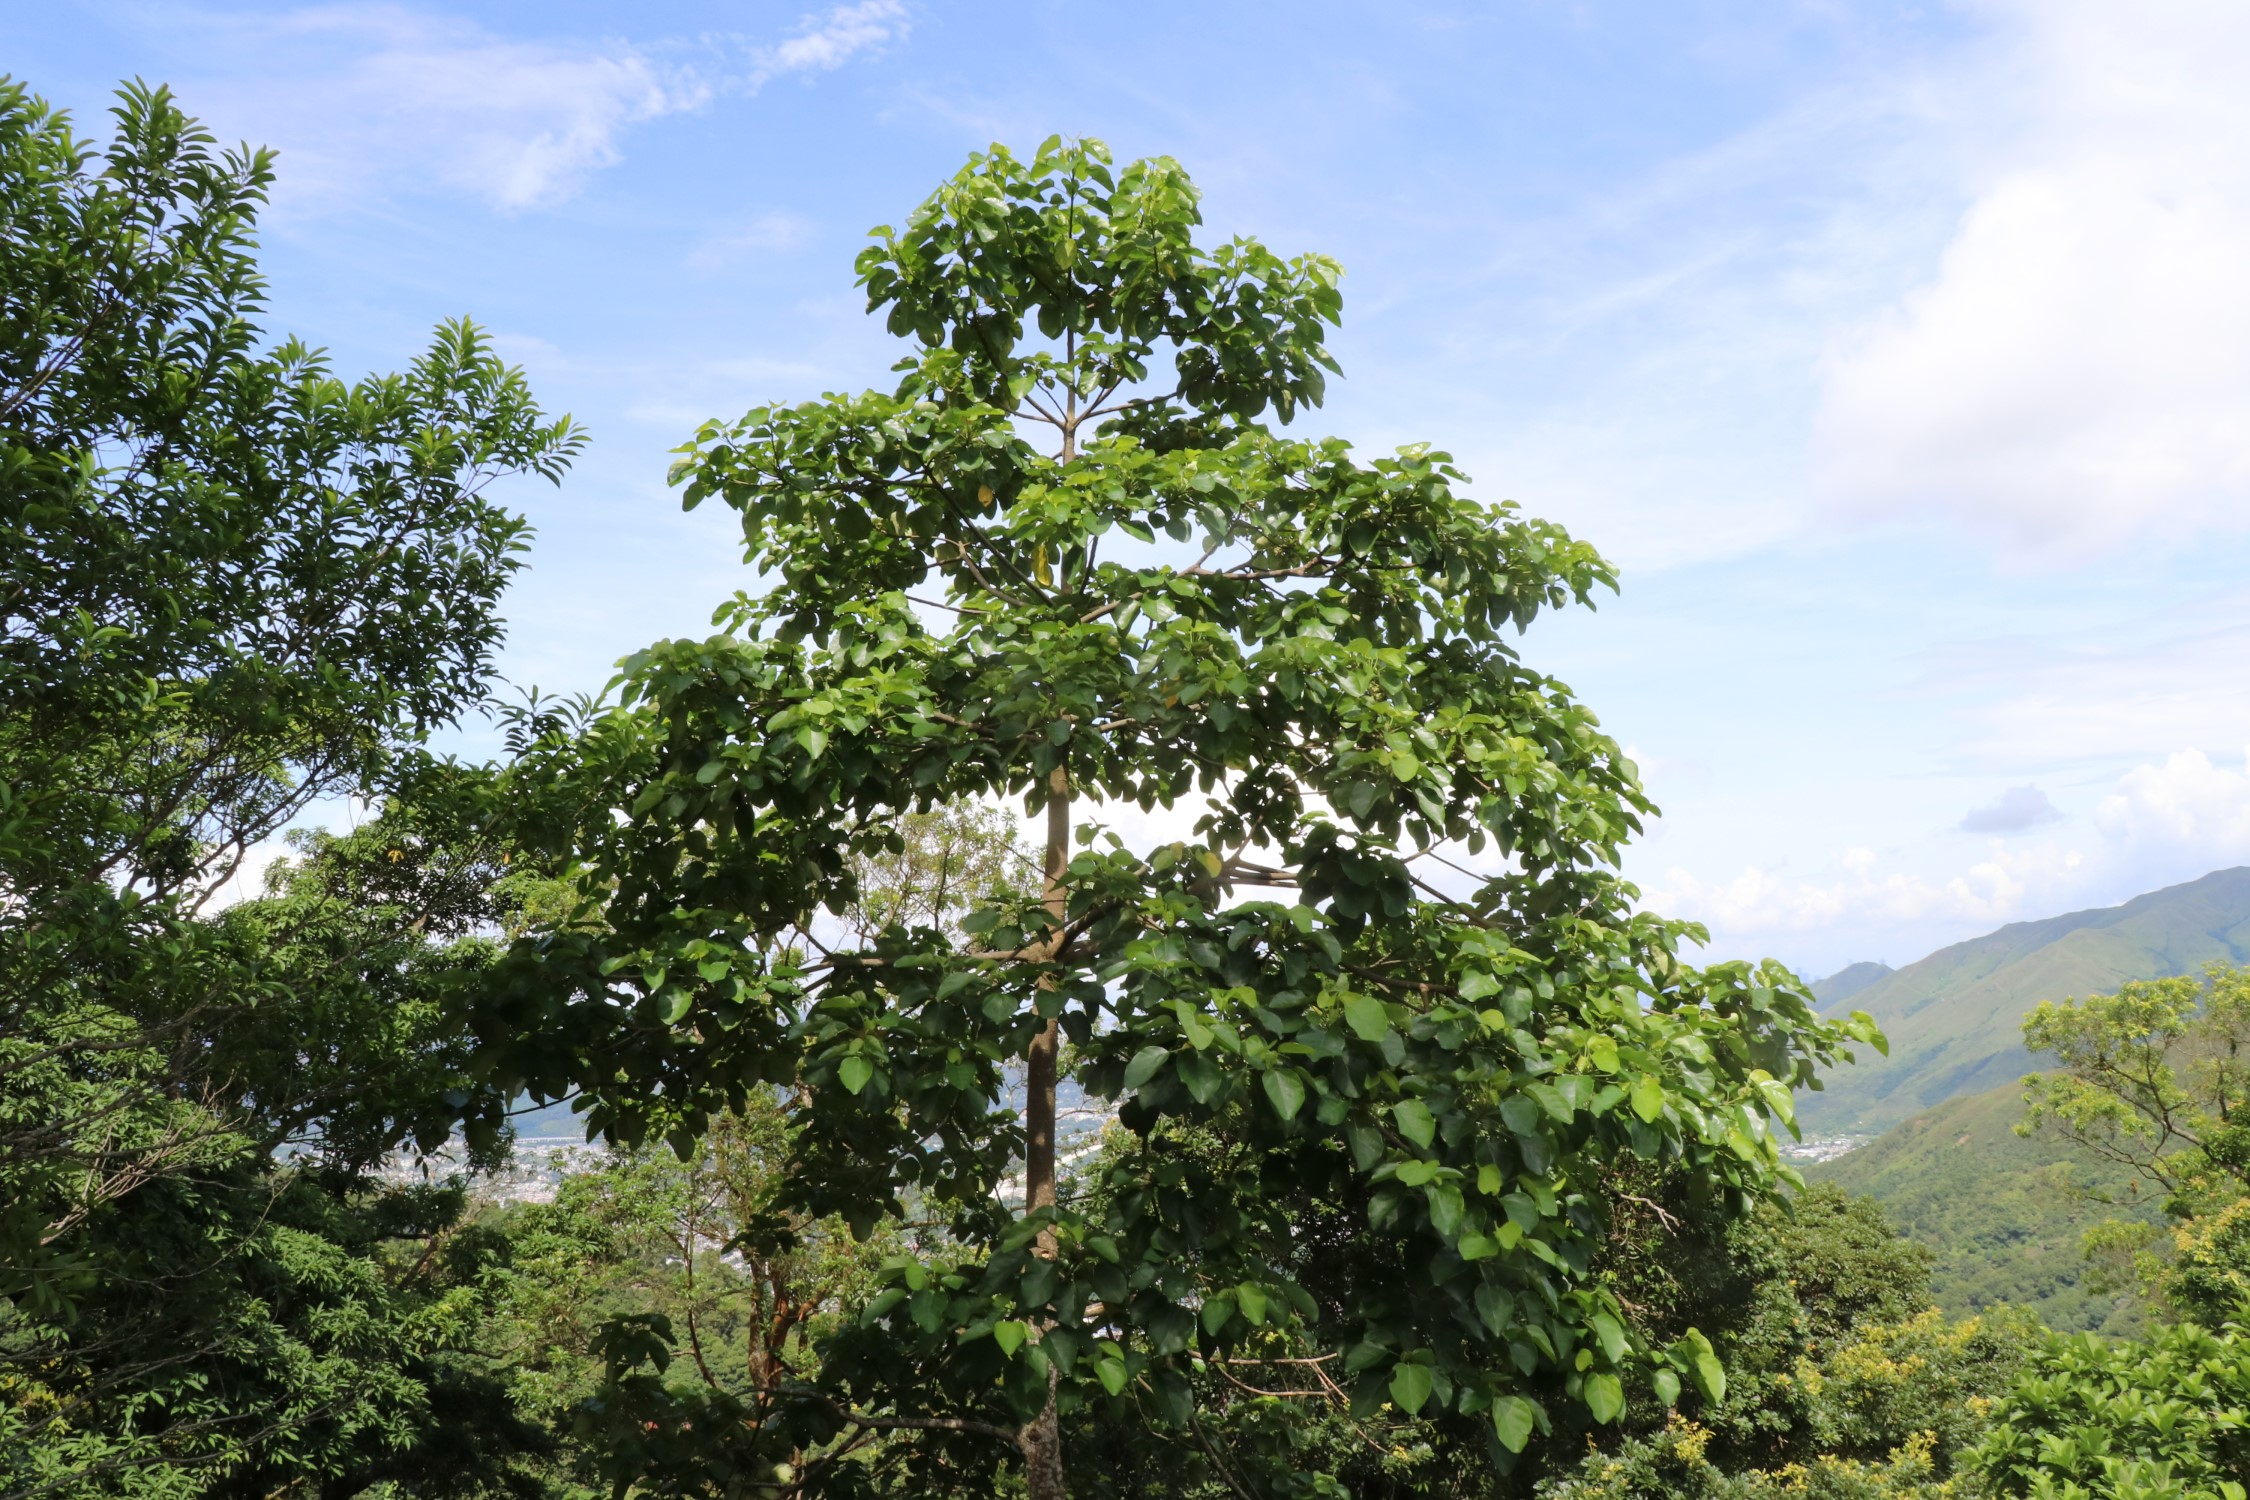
(233, 588)
(1301, 656)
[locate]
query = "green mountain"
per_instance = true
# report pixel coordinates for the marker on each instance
(1845, 983)
(1955, 1018)
(2004, 1216)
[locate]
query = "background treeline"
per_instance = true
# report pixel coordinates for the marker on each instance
(1421, 1181)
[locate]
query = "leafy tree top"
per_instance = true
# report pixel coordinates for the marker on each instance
(1315, 646)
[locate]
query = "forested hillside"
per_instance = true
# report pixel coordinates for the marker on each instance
(2002, 1215)
(1955, 1019)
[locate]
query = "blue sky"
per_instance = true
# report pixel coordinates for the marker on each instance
(1900, 354)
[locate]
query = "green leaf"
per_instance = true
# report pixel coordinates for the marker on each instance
(1495, 1308)
(1111, 1373)
(1648, 1097)
(1552, 1100)
(1610, 1336)
(1605, 1397)
(1146, 1064)
(854, 1072)
(1367, 1018)
(1252, 1300)
(1285, 1090)
(1476, 984)
(1363, 1355)
(1410, 1387)
(1667, 1384)
(1009, 1334)
(1512, 1420)
(1201, 1076)
(1445, 1209)
(1414, 1122)
(1703, 1364)
(1216, 1311)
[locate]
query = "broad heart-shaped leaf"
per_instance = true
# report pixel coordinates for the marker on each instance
(854, 1071)
(1666, 1384)
(1414, 1122)
(1410, 1387)
(1112, 1374)
(1513, 1418)
(1367, 1018)
(1146, 1064)
(1009, 1334)
(1648, 1097)
(1285, 1090)
(1605, 1397)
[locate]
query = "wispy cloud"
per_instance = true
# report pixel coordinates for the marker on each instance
(776, 233)
(826, 43)
(371, 99)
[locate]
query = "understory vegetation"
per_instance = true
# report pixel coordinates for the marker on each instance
(1363, 1136)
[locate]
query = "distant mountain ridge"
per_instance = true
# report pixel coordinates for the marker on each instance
(1845, 983)
(1955, 1018)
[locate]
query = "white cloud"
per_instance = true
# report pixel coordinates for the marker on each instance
(834, 39)
(2159, 823)
(365, 99)
(2186, 806)
(2078, 367)
(361, 97)
(1759, 904)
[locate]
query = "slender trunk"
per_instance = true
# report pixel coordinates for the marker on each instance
(1041, 1437)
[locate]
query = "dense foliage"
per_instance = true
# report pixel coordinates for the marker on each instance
(2004, 1215)
(232, 587)
(2156, 1079)
(2153, 1420)
(1314, 663)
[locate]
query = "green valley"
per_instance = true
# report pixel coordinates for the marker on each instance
(2002, 1215)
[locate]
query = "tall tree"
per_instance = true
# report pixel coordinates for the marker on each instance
(1166, 603)
(232, 586)
(2157, 1078)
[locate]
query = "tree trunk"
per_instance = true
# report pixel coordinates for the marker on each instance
(1041, 1437)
